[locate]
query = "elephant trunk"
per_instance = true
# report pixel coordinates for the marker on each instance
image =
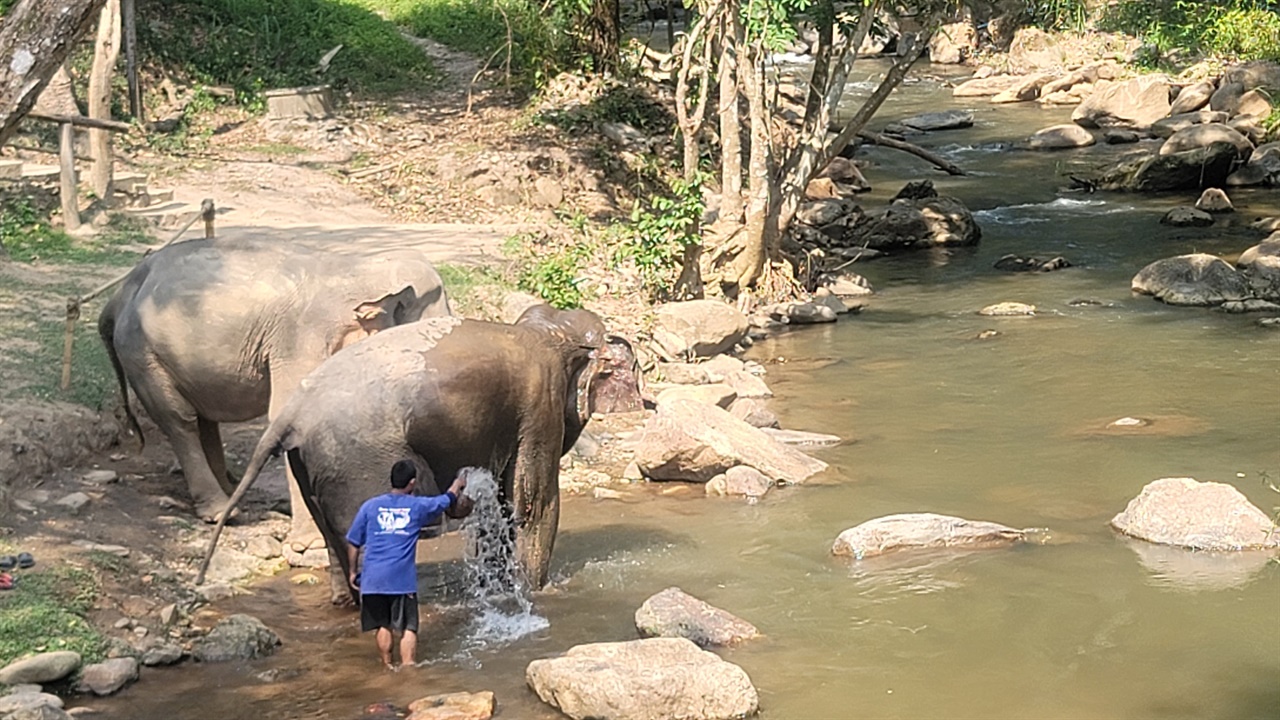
(268, 447)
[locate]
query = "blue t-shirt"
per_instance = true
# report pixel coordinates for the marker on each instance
(387, 528)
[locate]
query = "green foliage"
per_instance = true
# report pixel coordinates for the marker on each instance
(1059, 14)
(46, 611)
(551, 272)
(1241, 29)
(463, 283)
(28, 237)
(630, 104)
(660, 233)
(253, 45)
(541, 35)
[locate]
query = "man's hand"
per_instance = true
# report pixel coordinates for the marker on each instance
(458, 486)
(354, 579)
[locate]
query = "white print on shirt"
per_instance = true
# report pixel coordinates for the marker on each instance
(393, 519)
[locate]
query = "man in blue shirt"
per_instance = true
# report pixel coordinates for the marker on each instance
(387, 528)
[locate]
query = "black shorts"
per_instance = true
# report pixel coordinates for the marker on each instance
(395, 612)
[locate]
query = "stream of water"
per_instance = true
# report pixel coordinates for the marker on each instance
(1011, 429)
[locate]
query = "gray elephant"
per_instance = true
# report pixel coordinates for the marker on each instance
(212, 331)
(449, 394)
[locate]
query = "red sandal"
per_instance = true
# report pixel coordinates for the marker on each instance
(6, 581)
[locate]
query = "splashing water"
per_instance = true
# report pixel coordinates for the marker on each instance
(496, 586)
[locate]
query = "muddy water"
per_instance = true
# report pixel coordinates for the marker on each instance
(1011, 429)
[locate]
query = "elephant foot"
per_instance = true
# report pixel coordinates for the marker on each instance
(210, 511)
(339, 592)
(304, 538)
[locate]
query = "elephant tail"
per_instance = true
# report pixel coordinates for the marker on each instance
(272, 442)
(107, 331)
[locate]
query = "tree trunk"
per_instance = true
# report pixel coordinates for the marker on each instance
(37, 36)
(604, 32)
(105, 55)
(129, 18)
(749, 264)
(730, 133)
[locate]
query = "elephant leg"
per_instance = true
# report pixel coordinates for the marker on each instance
(214, 453)
(181, 425)
(340, 592)
(536, 500)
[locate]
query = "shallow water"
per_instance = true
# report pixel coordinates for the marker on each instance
(1011, 429)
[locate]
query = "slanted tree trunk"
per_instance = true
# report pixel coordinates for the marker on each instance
(105, 55)
(749, 263)
(730, 132)
(37, 36)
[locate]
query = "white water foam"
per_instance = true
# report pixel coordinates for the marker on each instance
(496, 586)
(1029, 213)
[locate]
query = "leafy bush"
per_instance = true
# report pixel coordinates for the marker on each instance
(1243, 29)
(660, 233)
(1059, 14)
(256, 44)
(550, 272)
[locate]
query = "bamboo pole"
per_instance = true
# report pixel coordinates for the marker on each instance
(67, 185)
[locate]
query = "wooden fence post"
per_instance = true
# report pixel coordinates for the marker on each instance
(206, 212)
(73, 316)
(67, 160)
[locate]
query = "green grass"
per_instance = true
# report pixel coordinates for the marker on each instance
(254, 45)
(46, 611)
(28, 237)
(464, 283)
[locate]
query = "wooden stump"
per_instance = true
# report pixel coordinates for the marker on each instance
(313, 103)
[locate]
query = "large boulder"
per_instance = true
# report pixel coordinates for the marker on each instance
(1184, 216)
(941, 120)
(916, 223)
(675, 613)
(953, 43)
(239, 637)
(992, 85)
(1135, 103)
(1059, 137)
(753, 412)
(712, 394)
(1255, 74)
(1034, 49)
(1227, 97)
(1192, 97)
(1261, 267)
(1269, 248)
(453, 706)
(741, 481)
(109, 676)
(652, 679)
(1263, 168)
(1214, 200)
(698, 328)
(1029, 89)
(1196, 279)
(39, 669)
(1198, 136)
(1166, 127)
(29, 704)
(921, 530)
(1197, 515)
(1190, 170)
(695, 442)
(1254, 104)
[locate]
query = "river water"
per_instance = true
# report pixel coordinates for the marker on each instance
(1010, 429)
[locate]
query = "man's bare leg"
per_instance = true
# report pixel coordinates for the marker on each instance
(408, 647)
(384, 647)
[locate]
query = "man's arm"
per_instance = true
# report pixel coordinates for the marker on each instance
(355, 540)
(353, 562)
(435, 504)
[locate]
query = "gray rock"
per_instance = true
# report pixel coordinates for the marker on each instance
(1267, 248)
(239, 637)
(1263, 168)
(213, 592)
(753, 413)
(40, 712)
(1008, 309)
(1254, 104)
(818, 213)
(1191, 170)
(1271, 323)
(674, 613)
(43, 668)
(944, 120)
(99, 477)
(1201, 516)
(1135, 103)
(168, 614)
(698, 328)
(1193, 97)
(747, 385)
(1120, 137)
(1248, 306)
(1187, 217)
(73, 502)
(916, 223)
(1214, 200)
(739, 481)
(264, 547)
(798, 313)
(1030, 88)
(1255, 74)
(453, 706)
(23, 688)
(652, 679)
(828, 299)
(991, 85)
(22, 702)
(845, 284)
(1227, 97)
(1199, 136)
(109, 676)
(1196, 279)
(1166, 127)
(164, 653)
(1059, 137)
(921, 530)
(695, 442)
(683, 373)
(1018, 263)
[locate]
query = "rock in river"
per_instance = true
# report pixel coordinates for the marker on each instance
(239, 637)
(1008, 309)
(1190, 170)
(28, 702)
(740, 481)
(675, 613)
(921, 530)
(653, 679)
(43, 668)
(1060, 137)
(698, 327)
(109, 676)
(1196, 279)
(944, 120)
(453, 706)
(695, 442)
(1133, 103)
(1199, 136)
(1201, 516)
(1183, 216)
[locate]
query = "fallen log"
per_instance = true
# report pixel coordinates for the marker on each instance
(936, 159)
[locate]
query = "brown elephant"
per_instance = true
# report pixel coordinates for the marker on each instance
(449, 394)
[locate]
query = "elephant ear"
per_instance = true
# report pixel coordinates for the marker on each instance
(613, 377)
(373, 316)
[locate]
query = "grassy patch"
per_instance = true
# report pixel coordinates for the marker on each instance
(28, 237)
(550, 270)
(276, 149)
(253, 45)
(465, 283)
(108, 562)
(46, 611)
